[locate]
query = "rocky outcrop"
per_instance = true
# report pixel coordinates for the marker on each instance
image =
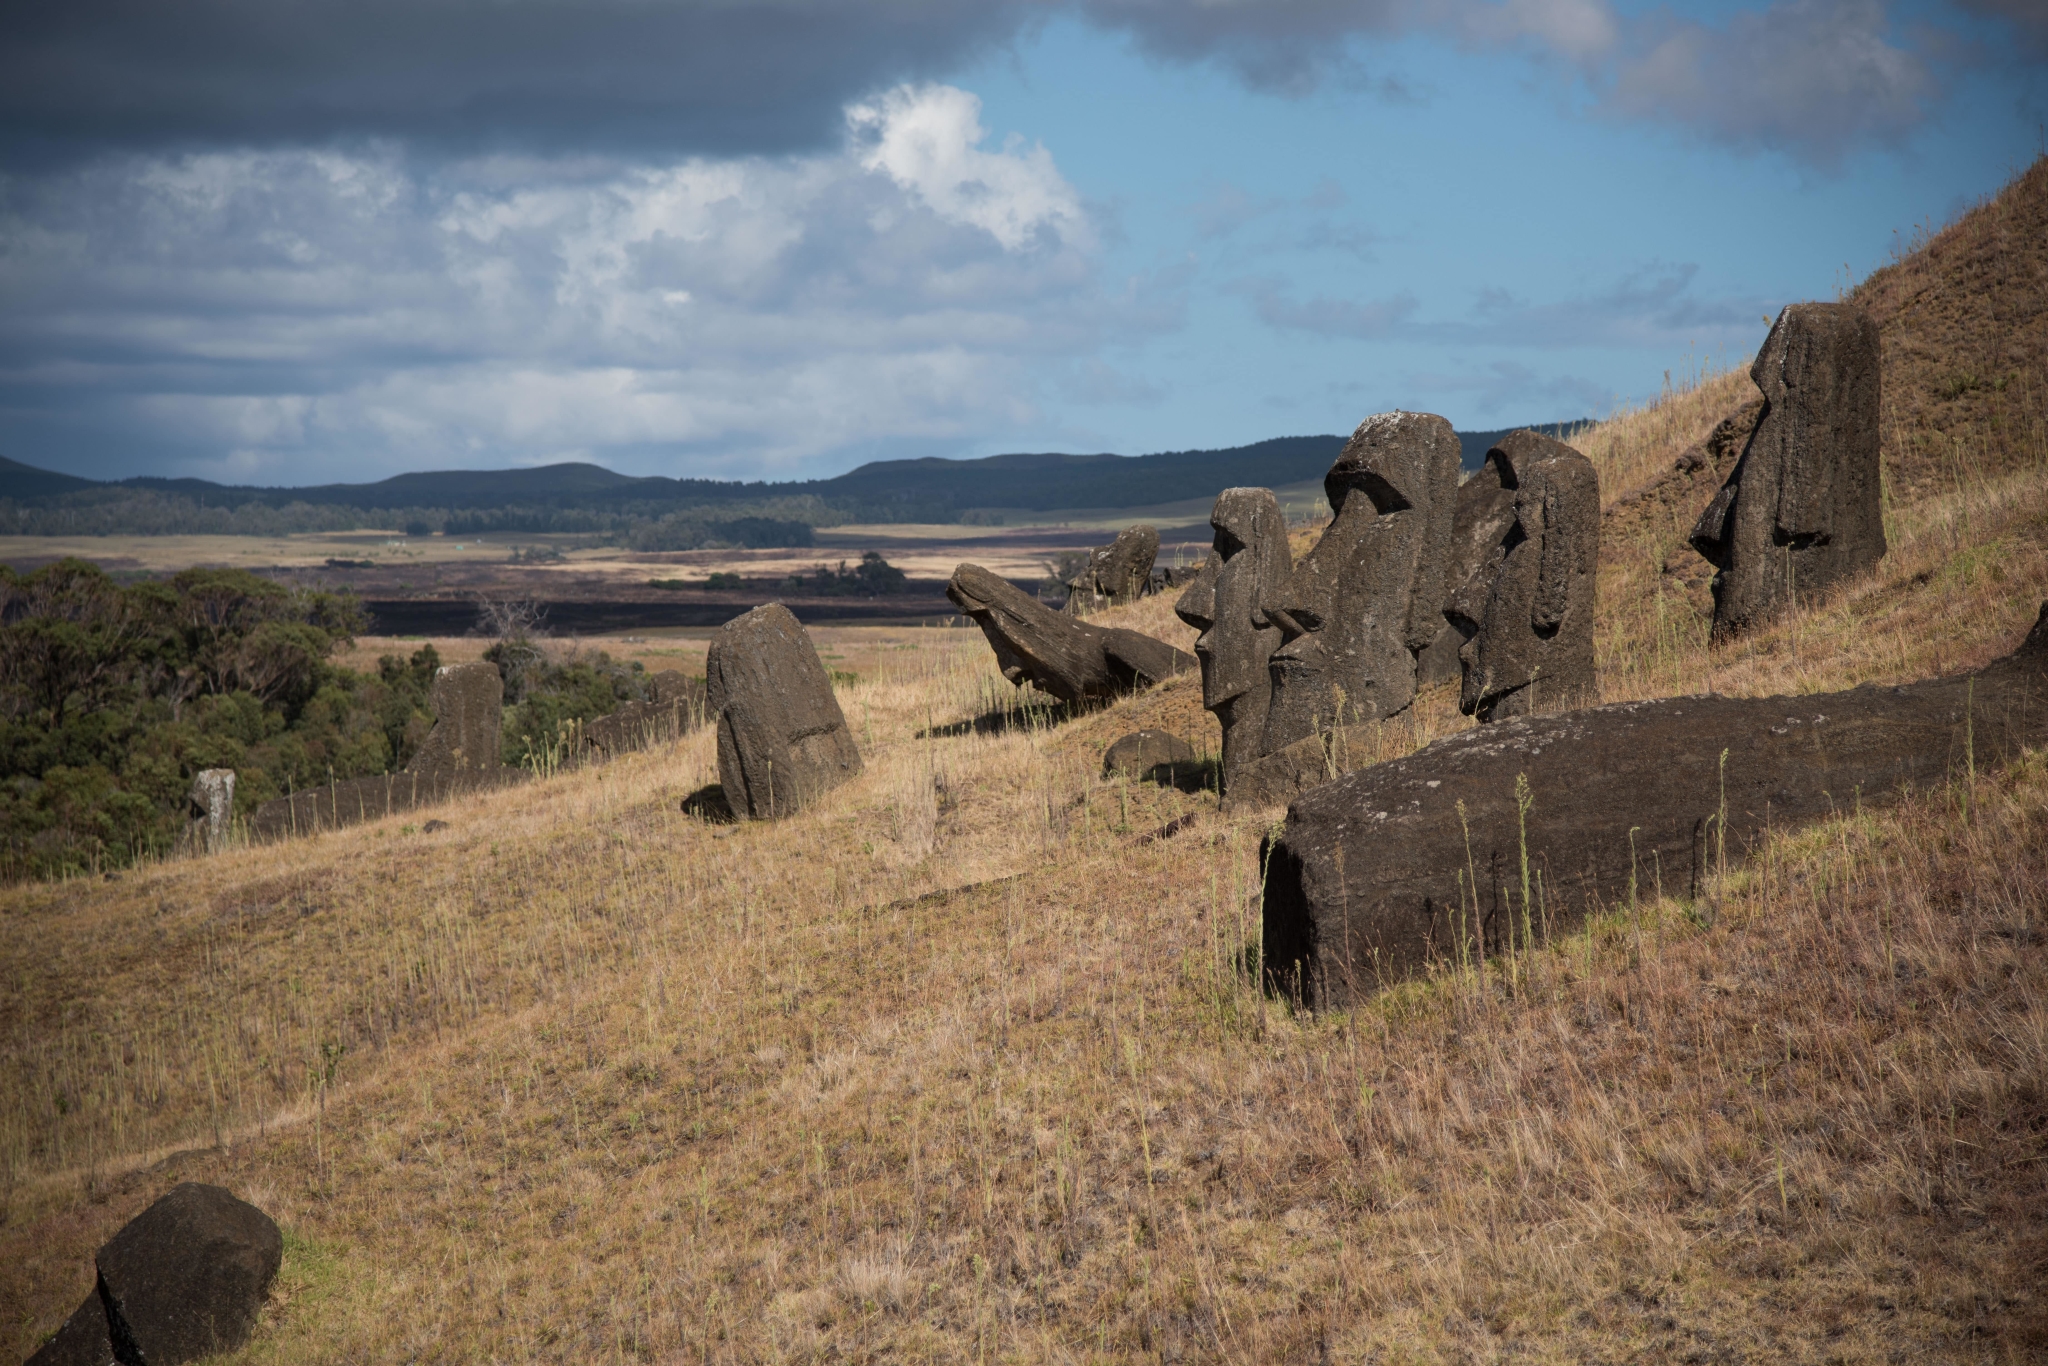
(1525, 608)
(1072, 660)
(1422, 858)
(182, 1280)
(1801, 512)
(1249, 560)
(782, 740)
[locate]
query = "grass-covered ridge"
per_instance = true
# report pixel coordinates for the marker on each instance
(962, 1065)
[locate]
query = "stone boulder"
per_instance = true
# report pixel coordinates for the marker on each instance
(675, 706)
(1801, 511)
(1141, 754)
(1072, 660)
(182, 1280)
(782, 740)
(1249, 560)
(211, 803)
(1526, 608)
(1382, 871)
(468, 701)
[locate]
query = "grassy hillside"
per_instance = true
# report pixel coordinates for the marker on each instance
(962, 1063)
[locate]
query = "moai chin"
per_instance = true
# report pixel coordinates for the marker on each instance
(1358, 607)
(1526, 606)
(1801, 511)
(1249, 560)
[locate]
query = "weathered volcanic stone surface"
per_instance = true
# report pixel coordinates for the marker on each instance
(1801, 512)
(1122, 569)
(212, 804)
(676, 706)
(1369, 596)
(1249, 560)
(182, 1280)
(1526, 607)
(1376, 873)
(782, 740)
(82, 1341)
(1485, 511)
(469, 703)
(1072, 660)
(1141, 752)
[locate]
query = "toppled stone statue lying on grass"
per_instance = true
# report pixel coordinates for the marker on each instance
(1072, 660)
(1382, 871)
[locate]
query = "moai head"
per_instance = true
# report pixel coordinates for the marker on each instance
(1801, 510)
(1120, 570)
(1360, 604)
(1250, 559)
(1526, 606)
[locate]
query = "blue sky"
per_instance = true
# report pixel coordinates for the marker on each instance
(767, 247)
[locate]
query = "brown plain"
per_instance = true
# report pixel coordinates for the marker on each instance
(958, 1065)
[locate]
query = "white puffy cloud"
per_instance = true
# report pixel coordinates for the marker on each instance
(305, 315)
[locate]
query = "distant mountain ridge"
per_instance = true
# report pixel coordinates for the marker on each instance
(929, 489)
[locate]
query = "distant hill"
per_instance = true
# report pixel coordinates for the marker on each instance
(589, 498)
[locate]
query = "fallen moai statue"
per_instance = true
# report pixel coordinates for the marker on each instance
(182, 1280)
(1359, 607)
(1250, 560)
(782, 739)
(1145, 753)
(1072, 660)
(1526, 606)
(678, 705)
(1801, 512)
(1385, 870)
(460, 755)
(211, 804)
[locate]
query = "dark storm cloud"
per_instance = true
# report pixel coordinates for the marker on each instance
(721, 77)
(699, 75)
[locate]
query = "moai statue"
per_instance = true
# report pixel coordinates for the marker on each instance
(1525, 608)
(1800, 512)
(1250, 560)
(1361, 604)
(1486, 509)
(1116, 573)
(468, 701)
(782, 739)
(212, 802)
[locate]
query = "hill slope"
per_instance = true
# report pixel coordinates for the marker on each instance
(960, 1064)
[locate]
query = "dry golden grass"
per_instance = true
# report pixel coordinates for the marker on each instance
(962, 1063)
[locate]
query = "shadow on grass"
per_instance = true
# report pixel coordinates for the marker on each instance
(708, 804)
(1005, 720)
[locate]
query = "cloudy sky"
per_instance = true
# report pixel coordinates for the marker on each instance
(292, 243)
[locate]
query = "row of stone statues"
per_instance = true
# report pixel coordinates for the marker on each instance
(1414, 578)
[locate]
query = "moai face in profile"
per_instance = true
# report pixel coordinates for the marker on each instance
(1800, 512)
(1249, 560)
(1360, 605)
(1526, 605)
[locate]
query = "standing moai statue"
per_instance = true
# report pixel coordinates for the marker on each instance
(1486, 509)
(782, 740)
(1801, 511)
(1360, 605)
(468, 701)
(1116, 573)
(212, 806)
(1249, 561)
(1525, 608)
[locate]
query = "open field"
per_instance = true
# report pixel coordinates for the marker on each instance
(963, 1063)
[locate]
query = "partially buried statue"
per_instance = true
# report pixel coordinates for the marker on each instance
(1360, 605)
(1800, 513)
(1073, 660)
(1249, 561)
(1531, 555)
